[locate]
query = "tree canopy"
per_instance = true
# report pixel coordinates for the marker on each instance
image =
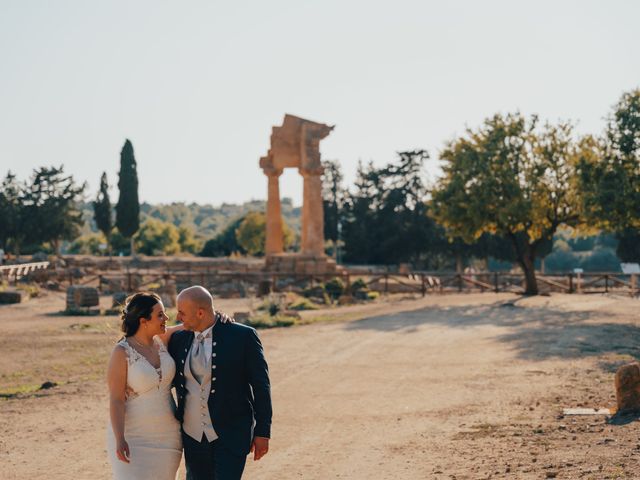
(128, 206)
(512, 179)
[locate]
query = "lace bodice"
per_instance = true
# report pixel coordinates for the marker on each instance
(142, 377)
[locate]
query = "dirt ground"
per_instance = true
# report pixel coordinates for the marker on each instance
(468, 386)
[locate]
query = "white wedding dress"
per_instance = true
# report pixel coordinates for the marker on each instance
(150, 427)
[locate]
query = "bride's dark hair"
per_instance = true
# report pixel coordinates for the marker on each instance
(136, 306)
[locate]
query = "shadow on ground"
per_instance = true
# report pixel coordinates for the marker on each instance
(535, 332)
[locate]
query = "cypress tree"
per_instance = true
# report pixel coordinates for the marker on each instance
(128, 207)
(102, 208)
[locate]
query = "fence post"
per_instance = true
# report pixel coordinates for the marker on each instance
(424, 287)
(495, 282)
(606, 283)
(571, 283)
(459, 282)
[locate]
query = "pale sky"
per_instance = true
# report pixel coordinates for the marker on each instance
(197, 85)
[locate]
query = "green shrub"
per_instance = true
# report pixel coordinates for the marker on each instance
(273, 309)
(304, 304)
(334, 288)
(30, 289)
(269, 321)
(359, 284)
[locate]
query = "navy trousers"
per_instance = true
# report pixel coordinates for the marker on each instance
(210, 461)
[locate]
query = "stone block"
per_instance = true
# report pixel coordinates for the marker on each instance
(7, 298)
(82, 297)
(628, 388)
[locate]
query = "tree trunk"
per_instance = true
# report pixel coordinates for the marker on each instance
(528, 267)
(458, 263)
(132, 248)
(526, 255)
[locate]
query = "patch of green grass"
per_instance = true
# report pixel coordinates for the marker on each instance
(30, 289)
(267, 321)
(304, 304)
(12, 392)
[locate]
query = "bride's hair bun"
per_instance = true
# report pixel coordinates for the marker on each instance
(136, 306)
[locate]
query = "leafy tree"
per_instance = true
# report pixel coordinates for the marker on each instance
(611, 179)
(511, 179)
(52, 207)
(102, 208)
(628, 248)
(188, 243)
(88, 244)
(156, 237)
(601, 260)
(13, 231)
(386, 217)
(332, 199)
(251, 234)
(561, 261)
(119, 243)
(225, 243)
(128, 207)
(358, 230)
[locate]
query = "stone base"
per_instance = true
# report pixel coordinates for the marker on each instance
(298, 264)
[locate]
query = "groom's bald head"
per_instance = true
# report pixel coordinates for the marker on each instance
(195, 308)
(197, 295)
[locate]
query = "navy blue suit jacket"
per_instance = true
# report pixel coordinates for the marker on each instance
(240, 392)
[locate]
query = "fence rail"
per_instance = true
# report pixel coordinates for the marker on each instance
(258, 282)
(18, 271)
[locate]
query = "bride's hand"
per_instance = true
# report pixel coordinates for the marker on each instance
(224, 318)
(122, 451)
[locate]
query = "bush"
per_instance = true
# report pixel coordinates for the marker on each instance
(31, 289)
(359, 284)
(304, 304)
(89, 244)
(156, 237)
(334, 288)
(269, 321)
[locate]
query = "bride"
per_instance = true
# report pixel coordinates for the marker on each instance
(144, 439)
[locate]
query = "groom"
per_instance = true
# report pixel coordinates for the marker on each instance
(222, 384)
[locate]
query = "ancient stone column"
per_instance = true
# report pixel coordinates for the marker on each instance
(274, 241)
(312, 214)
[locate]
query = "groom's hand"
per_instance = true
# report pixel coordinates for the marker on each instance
(259, 447)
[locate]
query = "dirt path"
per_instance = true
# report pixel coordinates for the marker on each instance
(461, 386)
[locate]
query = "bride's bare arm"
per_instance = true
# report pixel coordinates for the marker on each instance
(117, 381)
(166, 336)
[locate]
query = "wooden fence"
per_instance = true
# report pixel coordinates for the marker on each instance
(259, 282)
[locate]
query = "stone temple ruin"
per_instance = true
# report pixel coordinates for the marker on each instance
(296, 144)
